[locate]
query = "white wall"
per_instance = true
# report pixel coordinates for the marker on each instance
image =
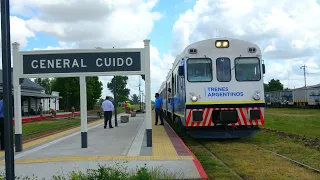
(45, 102)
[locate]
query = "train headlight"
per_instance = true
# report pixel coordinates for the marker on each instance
(194, 98)
(256, 95)
(222, 44)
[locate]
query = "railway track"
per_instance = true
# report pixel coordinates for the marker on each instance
(221, 161)
(284, 157)
(239, 176)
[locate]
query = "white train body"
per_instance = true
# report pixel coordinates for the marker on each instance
(216, 87)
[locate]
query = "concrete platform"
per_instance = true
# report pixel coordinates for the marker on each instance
(127, 142)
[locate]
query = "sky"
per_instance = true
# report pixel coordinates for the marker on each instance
(288, 33)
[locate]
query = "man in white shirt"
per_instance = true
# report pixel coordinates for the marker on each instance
(107, 107)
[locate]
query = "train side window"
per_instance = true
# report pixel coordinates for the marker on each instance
(223, 68)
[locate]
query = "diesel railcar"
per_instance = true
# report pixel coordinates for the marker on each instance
(215, 89)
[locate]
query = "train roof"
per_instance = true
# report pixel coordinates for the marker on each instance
(205, 42)
(211, 41)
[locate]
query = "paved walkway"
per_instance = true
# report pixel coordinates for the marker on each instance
(127, 142)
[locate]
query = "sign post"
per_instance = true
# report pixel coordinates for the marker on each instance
(115, 100)
(148, 93)
(7, 90)
(17, 99)
(82, 63)
(83, 112)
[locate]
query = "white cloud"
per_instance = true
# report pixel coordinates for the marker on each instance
(19, 33)
(286, 32)
(106, 24)
(91, 24)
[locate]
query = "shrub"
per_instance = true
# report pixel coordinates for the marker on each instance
(112, 173)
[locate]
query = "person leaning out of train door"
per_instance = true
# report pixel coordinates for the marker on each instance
(158, 107)
(1, 124)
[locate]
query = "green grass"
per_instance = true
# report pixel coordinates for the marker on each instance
(253, 163)
(304, 122)
(114, 173)
(35, 129)
(291, 148)
(213, 168)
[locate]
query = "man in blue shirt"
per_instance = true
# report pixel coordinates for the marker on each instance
(158, 106)
(1, 125)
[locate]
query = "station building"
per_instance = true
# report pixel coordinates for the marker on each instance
(32, 95)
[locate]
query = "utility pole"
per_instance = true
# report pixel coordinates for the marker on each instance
(288, 80)
(115, 99)
(305, 80)
(304, 74)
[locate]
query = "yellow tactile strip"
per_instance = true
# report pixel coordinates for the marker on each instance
(101, 158)
(162, 149)
(161, 143)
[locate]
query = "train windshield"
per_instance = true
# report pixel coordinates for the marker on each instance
(223, 69)
(199, 70)
(247, 69)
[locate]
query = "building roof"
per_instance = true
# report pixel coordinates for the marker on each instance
(308, 87)
(41, 95)
(27, 83)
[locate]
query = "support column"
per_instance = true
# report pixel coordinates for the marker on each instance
(115, 99)
(148, 92)
(83, 112)
(17, 97)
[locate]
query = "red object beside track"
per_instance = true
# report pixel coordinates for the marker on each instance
(39, 118)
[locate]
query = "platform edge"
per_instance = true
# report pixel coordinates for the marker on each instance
(196, 161)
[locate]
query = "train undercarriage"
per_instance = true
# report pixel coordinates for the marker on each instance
(223, 131)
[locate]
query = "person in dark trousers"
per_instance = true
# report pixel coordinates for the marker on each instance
(107, 107)
(1, 125)
(158, 107)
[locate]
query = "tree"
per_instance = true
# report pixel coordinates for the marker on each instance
(69, 89)
(94, 90)
(266, 87)
(273, 85)
(122, 91)
(46, 83)
(135, 99)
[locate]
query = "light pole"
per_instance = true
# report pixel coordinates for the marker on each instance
(7, 90)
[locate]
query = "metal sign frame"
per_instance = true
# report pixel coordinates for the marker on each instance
(80, 51)
(18, 73)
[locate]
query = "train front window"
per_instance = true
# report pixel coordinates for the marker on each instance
(223, 69)
(247, 69)
(199, 70)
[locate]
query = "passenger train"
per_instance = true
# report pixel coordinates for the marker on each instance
(215, 89)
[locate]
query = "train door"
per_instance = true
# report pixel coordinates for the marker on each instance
(181, 89)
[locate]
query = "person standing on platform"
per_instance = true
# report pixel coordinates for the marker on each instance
(107, 107)
(1, 124)
(158, 107)
(72, 111)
